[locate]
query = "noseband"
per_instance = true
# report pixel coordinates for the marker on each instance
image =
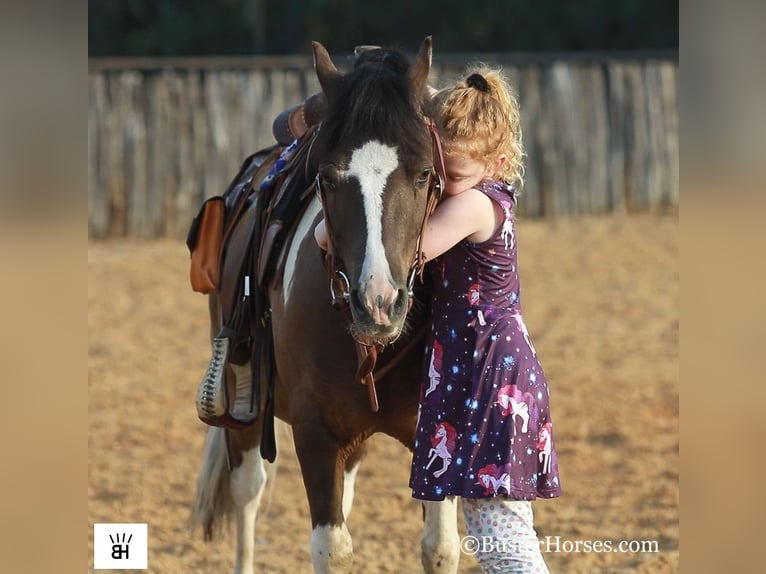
(367, 353)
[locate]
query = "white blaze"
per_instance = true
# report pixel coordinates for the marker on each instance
(371, 165)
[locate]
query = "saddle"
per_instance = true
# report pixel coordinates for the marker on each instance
(267, 213)
(212, 226)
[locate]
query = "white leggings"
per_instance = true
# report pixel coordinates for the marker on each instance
(505, 535)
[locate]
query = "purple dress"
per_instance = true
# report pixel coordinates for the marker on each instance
(484, 427)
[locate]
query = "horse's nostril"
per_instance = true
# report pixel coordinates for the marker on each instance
(401, 298)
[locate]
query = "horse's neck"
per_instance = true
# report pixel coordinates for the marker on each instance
(289, 258)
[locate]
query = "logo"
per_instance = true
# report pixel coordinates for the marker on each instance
(120, 546)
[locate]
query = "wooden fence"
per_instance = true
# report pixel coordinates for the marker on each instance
(601, 133)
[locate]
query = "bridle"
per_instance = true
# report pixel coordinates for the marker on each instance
(339, 286)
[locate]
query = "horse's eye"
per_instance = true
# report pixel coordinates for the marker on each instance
(328, 177)
(423, 178)
(326, 182)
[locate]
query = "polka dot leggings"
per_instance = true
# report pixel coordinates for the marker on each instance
(504, 534)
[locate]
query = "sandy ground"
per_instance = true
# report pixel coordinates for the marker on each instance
(601, 303)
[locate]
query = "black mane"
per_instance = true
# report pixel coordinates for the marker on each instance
(374, 101)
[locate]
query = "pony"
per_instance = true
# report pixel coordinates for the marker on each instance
(442, 446)
(493, 478)
(434, 368)
(517, 404)
(373, 161)
(544, 446)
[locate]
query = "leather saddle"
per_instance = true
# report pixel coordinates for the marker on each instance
(261, 207)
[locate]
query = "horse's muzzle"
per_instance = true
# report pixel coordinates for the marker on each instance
(379, 310)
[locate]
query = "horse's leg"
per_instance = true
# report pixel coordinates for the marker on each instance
(323, 471)
(248, 482)
(349, 477)
(221, 491)
(440, 544)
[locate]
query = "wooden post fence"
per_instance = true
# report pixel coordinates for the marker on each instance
(600, 131)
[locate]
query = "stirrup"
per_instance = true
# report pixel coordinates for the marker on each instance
(213, 403)
(211, 395)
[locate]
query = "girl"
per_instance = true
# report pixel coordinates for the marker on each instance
(484, 430)
(489, 387)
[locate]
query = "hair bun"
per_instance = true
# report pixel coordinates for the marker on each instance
(478, 81)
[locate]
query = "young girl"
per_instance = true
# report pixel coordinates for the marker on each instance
(484, 429)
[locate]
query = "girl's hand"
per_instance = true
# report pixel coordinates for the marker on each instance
(320, 235)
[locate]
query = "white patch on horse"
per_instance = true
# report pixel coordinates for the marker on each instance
(371, 165)
(304, 227)
(331, 549)
(440, 543)
(349, 481)
(249, 478)
(248, 482)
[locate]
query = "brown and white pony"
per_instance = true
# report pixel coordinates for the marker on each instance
(373, 155)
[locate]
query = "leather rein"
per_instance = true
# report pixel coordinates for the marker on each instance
(367, 354)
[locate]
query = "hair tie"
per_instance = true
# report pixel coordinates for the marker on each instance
(479, 82)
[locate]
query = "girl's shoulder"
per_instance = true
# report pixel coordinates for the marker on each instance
(498, 190)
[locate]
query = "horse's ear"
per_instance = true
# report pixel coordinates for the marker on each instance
(422, 66)
(326, 71)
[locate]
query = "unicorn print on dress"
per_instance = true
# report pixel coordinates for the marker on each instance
(522, 327)
(517, 404)
(443, 445)
(493, 478)
(506, 233)
(434, 368)
(544, 445)
(473, 295)
(417, 420)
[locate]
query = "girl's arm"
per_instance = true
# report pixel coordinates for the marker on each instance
(468, 215)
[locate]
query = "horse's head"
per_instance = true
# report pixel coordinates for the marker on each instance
(375, 166)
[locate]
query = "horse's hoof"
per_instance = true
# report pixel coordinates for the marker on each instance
(211, 395)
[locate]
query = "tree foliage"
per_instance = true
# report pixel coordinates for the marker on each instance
(250, 27)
